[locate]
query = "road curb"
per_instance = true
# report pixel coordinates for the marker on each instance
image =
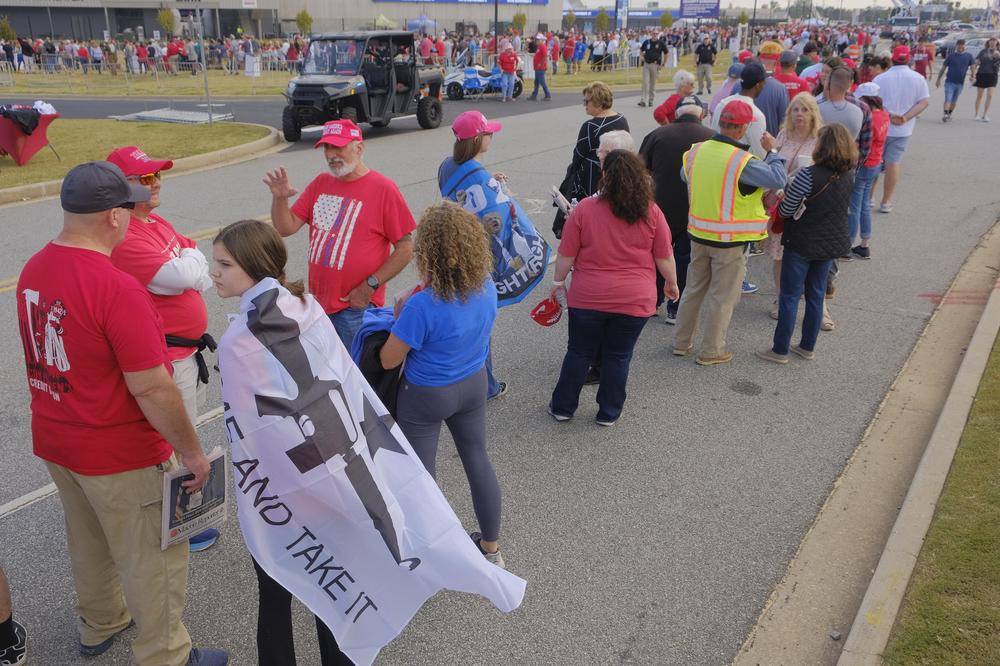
(876, 617)
(213, 160)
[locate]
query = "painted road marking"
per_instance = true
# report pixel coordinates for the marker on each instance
(48, 490)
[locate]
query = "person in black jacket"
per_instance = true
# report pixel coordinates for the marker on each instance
(663, 151)
(813, 238)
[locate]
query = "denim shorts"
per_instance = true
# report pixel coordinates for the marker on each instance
(895, 146)
(951, 92)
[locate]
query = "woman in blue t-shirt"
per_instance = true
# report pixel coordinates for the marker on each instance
(442, 332)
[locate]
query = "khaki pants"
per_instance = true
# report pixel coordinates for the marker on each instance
(650, 71)
(113, 534)
(705, 74)
(716, 272)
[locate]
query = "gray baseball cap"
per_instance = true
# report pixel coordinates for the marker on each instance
(93, 187)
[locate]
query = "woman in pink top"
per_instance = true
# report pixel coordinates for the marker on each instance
(861, 207)
(614, 241)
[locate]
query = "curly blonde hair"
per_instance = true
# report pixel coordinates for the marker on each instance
(452, 251)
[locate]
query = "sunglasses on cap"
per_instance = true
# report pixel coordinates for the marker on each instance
(147, 179)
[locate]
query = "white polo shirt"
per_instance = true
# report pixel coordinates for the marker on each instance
(901, 88)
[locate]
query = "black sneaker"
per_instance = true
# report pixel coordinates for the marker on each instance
(593, 377)
(862, 252)
(18, 652)
(493, 558)
(102, 647)
(500, 391)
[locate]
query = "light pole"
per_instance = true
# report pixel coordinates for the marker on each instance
(753, 21)
(496, 26)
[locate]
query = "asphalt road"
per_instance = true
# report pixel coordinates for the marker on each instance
(266, 110)
(656, 541)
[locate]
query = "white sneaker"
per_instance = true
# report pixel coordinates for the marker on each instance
(986, 119)
(978, 118)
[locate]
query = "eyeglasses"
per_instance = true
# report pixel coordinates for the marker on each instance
(148, 179)
(586, 101)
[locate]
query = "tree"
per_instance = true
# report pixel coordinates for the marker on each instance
(601, 21)
(165, 17)
(570, 19)
(305, 22)
(666, 19)
(7, 31)
(519, 21)
(743, 18)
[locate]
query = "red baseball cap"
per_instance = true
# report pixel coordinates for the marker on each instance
(470, 124)
(901, 54)
(134, 162)
(737, 112)
(547, 312)
(745, 55)
(339, 133)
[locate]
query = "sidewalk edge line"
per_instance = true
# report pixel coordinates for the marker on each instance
(877, 614)
(184, 165)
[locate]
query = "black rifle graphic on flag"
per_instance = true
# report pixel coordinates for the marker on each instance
(318, 418)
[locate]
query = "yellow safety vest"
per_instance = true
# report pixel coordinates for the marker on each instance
(718, 210)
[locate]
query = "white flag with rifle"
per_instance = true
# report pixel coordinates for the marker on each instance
(333, 502)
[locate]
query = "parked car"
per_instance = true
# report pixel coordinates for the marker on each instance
(946, 44)
(365, 76)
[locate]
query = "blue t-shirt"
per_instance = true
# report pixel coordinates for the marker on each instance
(958, 65)
(448, 339)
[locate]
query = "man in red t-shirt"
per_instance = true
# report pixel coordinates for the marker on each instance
(175, 272)
(359, 228)
(107, 419)
(786, 76)
(923, 58)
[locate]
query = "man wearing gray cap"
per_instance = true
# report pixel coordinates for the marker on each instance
(108, 421)
(785, 74)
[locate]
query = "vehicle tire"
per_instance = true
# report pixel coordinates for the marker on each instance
(455, 91)
(429, 113)
(289, 127)
(379, 123)
(518, 88)
(349, 113)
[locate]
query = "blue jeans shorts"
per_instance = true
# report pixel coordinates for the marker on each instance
(951, 92)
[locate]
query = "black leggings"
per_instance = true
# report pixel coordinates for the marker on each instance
(275, 645)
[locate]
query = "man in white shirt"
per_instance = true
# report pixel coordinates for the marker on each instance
(905, 95)
(751, 83)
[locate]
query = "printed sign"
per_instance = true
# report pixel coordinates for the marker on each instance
(696, 9)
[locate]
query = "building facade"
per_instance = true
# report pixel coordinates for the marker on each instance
(96, 19)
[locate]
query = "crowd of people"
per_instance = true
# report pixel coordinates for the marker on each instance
(783, 160)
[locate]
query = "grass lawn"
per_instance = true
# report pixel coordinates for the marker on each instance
(39, 85)
(85, 140)
(626, 79)
(77, 83)
(951, 612)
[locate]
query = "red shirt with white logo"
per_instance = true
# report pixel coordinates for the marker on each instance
(793, 84)
(83, 323)
(352, 227)
(541, 59)
(146, 248)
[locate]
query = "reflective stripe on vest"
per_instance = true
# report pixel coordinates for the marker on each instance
(718, 210)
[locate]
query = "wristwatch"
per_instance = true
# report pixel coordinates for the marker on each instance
(373, 282)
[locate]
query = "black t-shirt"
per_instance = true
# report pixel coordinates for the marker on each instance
(988, 62)
(705, 54)
(653, 50)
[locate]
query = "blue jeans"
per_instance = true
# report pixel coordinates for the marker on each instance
(860, 211)
(492, 385)
(798, 274)
(592, 332)
(507, 85)
(682, 257)
(951, 92)
(347, 322)
(540, 81)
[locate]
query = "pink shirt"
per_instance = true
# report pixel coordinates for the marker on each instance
(614, 269)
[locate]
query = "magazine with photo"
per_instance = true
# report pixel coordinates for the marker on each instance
(187, 514)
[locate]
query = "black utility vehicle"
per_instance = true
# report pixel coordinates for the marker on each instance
(367, 77)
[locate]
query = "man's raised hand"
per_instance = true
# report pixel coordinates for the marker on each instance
(277, 182)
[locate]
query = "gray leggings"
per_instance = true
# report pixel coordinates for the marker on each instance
(420, 411)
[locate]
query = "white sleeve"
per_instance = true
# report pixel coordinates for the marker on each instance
(188, 271)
